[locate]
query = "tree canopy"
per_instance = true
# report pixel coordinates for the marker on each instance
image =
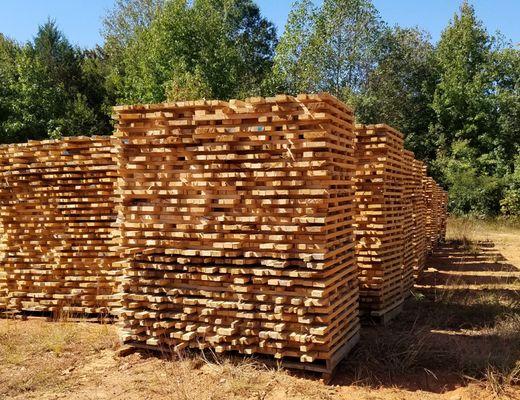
(457, 101)
(204, 48)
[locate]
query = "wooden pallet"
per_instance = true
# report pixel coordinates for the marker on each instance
(57, 316)
(57, 212)
(383, 316)
(325, 368)
(237, 226)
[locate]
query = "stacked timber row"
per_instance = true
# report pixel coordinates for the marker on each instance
(443, 215)
(431, 217)
(237, 227)
(379, 218)
(57, 211)
(419, 218)
(409, 189)
(436, 213)
(439, 203)
(3, 193)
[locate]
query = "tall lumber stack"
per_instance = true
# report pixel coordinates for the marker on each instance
(419, 217)
(431, 217)
(408, 222)
(57, 212)
(379, 217)
(3, 194)
(237, 227)
(439, 199)
(443, 215)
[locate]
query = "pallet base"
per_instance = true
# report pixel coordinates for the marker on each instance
(382, 317)
(325, 368)
(48, 316)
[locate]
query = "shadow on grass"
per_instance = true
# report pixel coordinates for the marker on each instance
(452, 330)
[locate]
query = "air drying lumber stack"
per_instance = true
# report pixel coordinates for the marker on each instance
(440, 213)
(432, 213)
(3, 283)
(58, 211)
(379, 217)
(419, 217)
(3, 194)
(408, 222)
(237, 227)
(443, 215)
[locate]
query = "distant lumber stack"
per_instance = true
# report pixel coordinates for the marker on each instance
(57, 213)
(237, 227)
(380, 217)
(432, 216)
(443, 214)
(419, 217)
(261, 226)
(409, 188)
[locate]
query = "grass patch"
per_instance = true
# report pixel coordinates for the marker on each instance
(34, 354)
(466, 336)
(467, 230)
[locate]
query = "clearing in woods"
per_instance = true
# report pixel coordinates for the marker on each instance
(458, 338)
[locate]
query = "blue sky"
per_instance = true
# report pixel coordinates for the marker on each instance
(80, 20)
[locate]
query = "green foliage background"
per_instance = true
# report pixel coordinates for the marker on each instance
(457, 101)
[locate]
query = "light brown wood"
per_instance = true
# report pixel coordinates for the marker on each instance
(381, 199)
(248, 207)
(57, 215)
(258, 226)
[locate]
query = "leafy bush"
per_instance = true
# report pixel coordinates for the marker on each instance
(510, 204)
(472, 191)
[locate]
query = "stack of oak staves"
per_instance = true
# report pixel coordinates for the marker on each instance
(419, 217)
(57, 211)
(379, 217)
(237, 227)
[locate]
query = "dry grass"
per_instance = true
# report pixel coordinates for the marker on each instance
(504, 234)
(196, 377)
(473, 230)
(452, 341)
(34, 355)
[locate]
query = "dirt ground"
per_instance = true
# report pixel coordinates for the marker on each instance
(458, 338)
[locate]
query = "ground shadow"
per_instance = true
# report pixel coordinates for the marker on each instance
(463, 317)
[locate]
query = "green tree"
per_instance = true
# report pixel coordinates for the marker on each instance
(97, 90)
(476, 104)
(472, 191)
(399, 90)
(52, 90)
(463, 107)
(9, 51)
(126, 19)
(329, 48)
(510, 203)
(294, 69)
(506, 142)
(121, 25)
(207, 48)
